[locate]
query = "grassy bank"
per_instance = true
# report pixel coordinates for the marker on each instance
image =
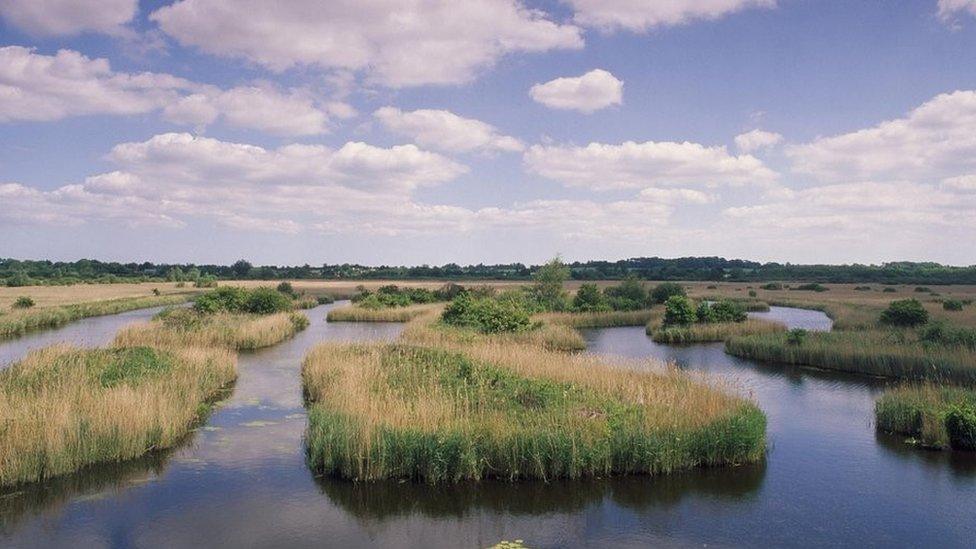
(428, 330)
(355, 313)
(895, 354)
(472, 410)
(62, 408)
(713, 331)
(234, 331)
(935, 416)
(17, 323)
(608, 319)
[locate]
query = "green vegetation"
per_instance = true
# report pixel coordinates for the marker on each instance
(488, 315)
(511, 412)
(952, 305)
(63, 408)
(232, 330)
(905, 312)
(886, 353)
(232, 299)
(811, 287)
(398, 314)
(679, 311)
(23, 302)
(391, 296)
(547, 291)
(604, 319)
(590, 299)
(662, 292)
(20, 322)
(713, 331)
(936, 416)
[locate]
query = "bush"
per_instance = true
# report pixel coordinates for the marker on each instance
(664, 291)
(19, 280)
(906, 313)
(155, 291)
(752, 293)
(952, 305)
(772, 286)
(448, 291)
(23, 302)
(205, 281)
(287, 289)
(940, 333)
(727, 311)
(960, 424)
(796, 336)
(325, 299)
(266, 301)
(548, 290)
(488, 315)
(590, 299)
(629, 295)
(862, 288)
(812, 287)
(225, 299)
(922, 289)
(889, 290)
(678, 311)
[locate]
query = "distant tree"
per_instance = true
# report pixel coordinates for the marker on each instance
(548, 289)
(589, 298)
(662, 292)
(241, 268)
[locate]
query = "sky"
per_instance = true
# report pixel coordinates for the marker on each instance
(469, 131)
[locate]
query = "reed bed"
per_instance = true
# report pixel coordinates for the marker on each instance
(936, 416)
(16, 323)
(488, 408)
(62, 408)
(608, 319)
(354, 313)
(884, 353)
(713, 331)
(751, 305)
(234, 331)
(427, 329)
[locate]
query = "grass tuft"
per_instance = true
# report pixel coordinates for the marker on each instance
(712, 331)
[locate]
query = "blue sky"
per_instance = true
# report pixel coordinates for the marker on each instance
(487, 130)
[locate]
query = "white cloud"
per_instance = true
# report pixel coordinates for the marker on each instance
(757, 139)
(641, 15)
(445, 130)
(40, 87)
(68, 17)
(935, 140)
(948, 9)
(633, 165)
(395, 43)
(960, 183)
(587, 93)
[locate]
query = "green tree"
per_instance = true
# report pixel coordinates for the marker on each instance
(241, 268)
(589, 298)
(548, 289)
(678, 311)
(662, 292)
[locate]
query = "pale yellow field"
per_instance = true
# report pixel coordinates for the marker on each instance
(50, 296)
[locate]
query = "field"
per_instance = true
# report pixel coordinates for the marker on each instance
(63, 408)
(21, 321)
(52, 296)
(442, 406)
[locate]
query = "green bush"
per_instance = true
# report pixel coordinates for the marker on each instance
(266, 301)
(205, 281)
(960, 423)
(941, 333)
(922, 289)
(325, 299)
(678, 311)
(629, 295)
(796, 336)
(590, 299)
(812, 287)
(727, 311)
(772, 286)
(23, 302)
(862, 288)
(752, 293)
(952, 305)
(906, 313)
(664, 291)
(547, 291)
(287, 289)
(224, 299)
(488, 315)
(448, 291)
(889, 290)
(19, 280)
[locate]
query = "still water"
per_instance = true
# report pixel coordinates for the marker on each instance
(241, 480)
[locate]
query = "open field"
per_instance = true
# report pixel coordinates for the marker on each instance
(234, 331)
(485, 408)
(937, 416)
(21, 321)
(52, 296)
(713, 331)
(62, 408)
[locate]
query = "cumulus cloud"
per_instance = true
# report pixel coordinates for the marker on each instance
(393, 42)
(51, 87)
(590, 92)
(934, 140)
(445, 130)
(949, 9)
(68, 17)
(633, 165)
(756, 140)
(641, 15)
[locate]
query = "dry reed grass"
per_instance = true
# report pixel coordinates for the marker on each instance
(235, 331)
(353, 313)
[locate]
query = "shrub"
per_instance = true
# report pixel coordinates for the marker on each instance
(205, 281)
(287, 289)
(889, 290)
(772, 286)
(727, 311)
(922, 289)
(325, 299)
(862, 288)
(548, 290)
(960, 424)
(711, 287)
(155, 291)
(812, 287)
(678, 311)
(664, 291)
(905, 312)
(752, 293)
(486, 315)
(703, 313)
(940, 333)
(23, 302)
(19, 280)
(266, 301)
(590, 299)
(227, 298)
(796, 336)
(448, 291)
(629, 295)
(952, 305)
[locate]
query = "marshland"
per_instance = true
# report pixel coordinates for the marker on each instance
(501, 411)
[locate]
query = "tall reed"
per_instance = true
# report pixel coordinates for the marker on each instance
(354, 313)
(235, 331)
(922, 411)
(62, 408)
(713, 331)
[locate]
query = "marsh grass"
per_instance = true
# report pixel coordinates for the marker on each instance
(748, 304)
(428, 329)
(608, 319)
(713, 331)
(19, 322)
(355, 313)
(234, 331)
(488, 408)
(62, 408)
(921, 411)
(885, 353)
